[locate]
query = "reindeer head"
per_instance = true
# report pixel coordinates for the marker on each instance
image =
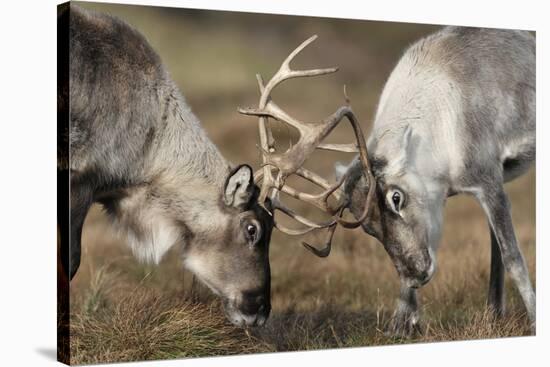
(410, 206)
(236, 266)
(407, 209)
(223, 231)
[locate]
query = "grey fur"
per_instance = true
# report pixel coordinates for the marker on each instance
(457, 115)
(136, 148)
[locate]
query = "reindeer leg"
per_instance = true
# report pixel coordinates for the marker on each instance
(81, 200)
(63, 226)
(74, 253)
(495, 300)
(497, 208)
(405, 319)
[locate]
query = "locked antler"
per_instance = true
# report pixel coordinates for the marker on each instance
(277, 167)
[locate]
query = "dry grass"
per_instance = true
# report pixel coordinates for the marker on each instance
(110, 324)
(124, 310)
(329, 327)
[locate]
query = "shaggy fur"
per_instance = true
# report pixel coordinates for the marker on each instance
(136, 148)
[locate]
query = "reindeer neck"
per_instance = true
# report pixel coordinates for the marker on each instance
(182, 153)
(178, 191)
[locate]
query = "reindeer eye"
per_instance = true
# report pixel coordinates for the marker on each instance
(252, 232)
(395, 198)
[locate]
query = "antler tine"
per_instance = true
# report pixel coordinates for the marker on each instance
(286, 63)
(274, 111)
(285, 72)
(310, 225)
(313, 177)
(267, 146)
(345, 148)
(293, 232)
(270, 140)
(325, 251)
(319, 200)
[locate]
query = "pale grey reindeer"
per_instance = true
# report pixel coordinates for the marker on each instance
(136, 148)
(457, 115)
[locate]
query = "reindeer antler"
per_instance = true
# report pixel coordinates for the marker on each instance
(291, 161)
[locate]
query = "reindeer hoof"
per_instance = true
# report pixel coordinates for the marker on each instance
(404, 325)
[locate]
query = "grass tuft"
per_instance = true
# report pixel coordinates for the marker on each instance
(143, 325)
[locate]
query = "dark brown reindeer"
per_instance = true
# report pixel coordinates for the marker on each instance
(138, 150)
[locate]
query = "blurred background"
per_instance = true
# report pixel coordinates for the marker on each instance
(342, 300)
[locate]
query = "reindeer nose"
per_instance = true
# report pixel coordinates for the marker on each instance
(424, 277)
(254, 303)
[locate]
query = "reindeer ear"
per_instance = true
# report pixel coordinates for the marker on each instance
(239, 186)
(406, 140)
(407, 137)
(401, 157)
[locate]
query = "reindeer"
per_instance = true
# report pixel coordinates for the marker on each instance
(457, 115)
(136, 148)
